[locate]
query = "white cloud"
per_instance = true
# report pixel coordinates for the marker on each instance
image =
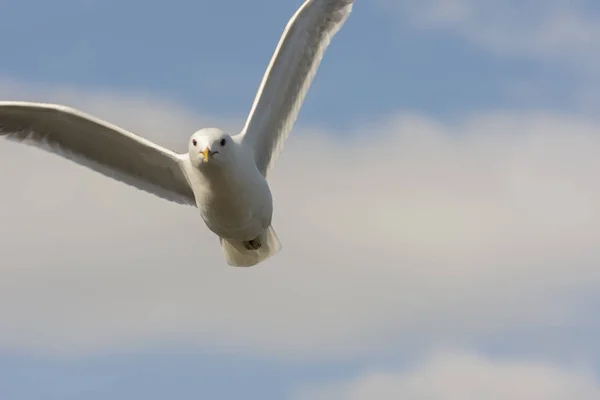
(467, 376)
(562, 30)
(405, 234)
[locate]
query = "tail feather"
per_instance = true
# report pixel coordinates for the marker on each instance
(238, 255)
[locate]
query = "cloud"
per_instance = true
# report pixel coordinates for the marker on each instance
(403, 234)
(467, 376)
(562, 30)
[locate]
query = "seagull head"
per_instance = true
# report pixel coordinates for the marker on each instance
(209, 146)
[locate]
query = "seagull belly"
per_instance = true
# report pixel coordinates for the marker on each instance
(240, 211)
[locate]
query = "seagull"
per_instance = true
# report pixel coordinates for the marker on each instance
(223, 175)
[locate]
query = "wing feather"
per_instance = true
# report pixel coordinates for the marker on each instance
(98, 145)
(289, 76)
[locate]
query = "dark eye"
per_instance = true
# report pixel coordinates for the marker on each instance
(223, 141)
(194, 142)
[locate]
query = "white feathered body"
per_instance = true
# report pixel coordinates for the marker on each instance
(235, 202)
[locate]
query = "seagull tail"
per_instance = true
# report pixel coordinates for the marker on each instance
(238, 255)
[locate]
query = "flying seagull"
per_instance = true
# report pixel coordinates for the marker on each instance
(224, 176)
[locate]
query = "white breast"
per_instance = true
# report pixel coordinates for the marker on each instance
(235, 204)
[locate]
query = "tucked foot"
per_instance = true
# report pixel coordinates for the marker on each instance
(253, 244)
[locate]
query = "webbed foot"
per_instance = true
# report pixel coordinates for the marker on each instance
(253, 244)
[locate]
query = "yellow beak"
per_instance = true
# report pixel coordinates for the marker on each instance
(205, 153)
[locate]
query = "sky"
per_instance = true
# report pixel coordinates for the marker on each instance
(437, 202)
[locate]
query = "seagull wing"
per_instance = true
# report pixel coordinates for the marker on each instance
(98, 145)
(289, 76)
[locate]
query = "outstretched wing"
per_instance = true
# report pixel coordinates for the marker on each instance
(98, 145)
(289, 75)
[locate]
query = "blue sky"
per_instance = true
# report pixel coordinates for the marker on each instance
(203, 54)
(519, 84)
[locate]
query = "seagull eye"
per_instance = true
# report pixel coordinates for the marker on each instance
(194, 142)
(223, 141)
